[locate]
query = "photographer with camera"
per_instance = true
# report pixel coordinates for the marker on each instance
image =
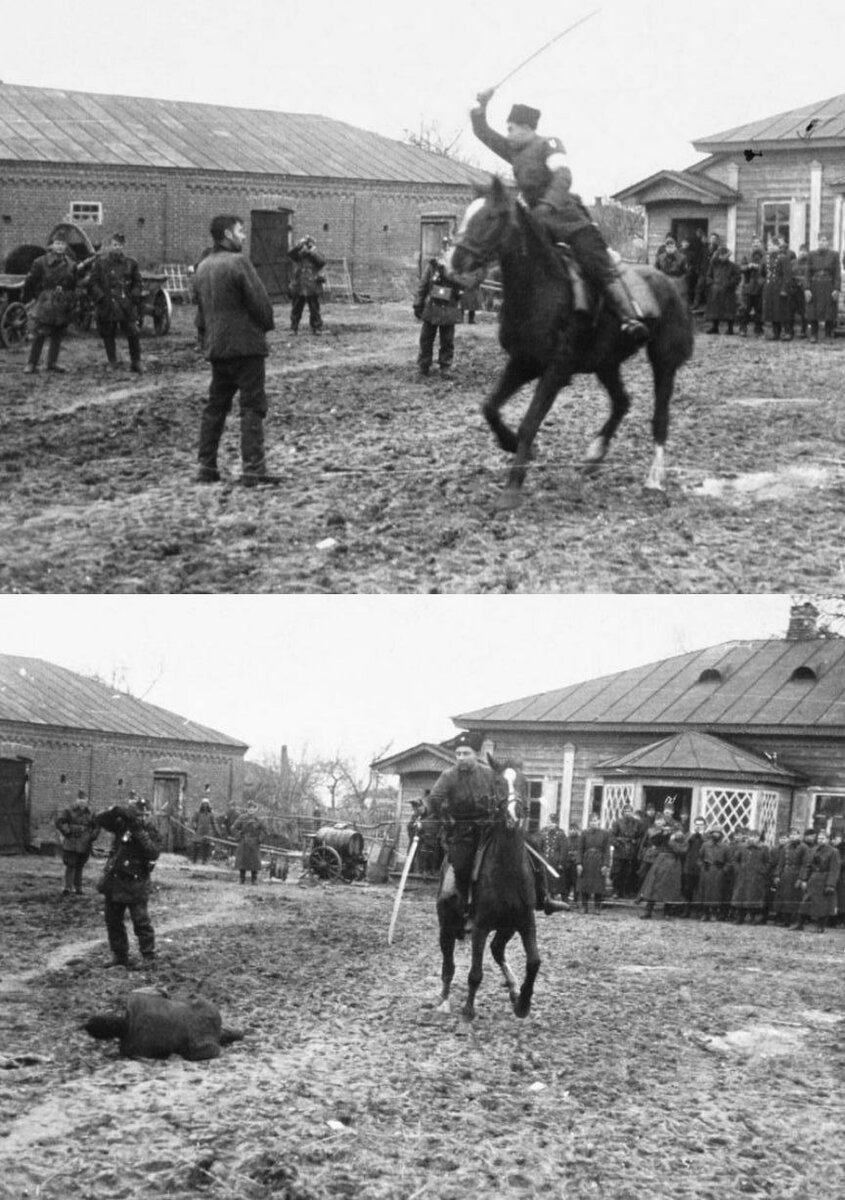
(307, 284)
(126, 878)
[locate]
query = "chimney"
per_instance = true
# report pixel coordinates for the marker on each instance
(803, 620)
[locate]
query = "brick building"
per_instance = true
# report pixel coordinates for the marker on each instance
(781, 175)
(158, 170)
(60, 731)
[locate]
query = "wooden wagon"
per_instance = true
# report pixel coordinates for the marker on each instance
(13, 312)
(334, 852)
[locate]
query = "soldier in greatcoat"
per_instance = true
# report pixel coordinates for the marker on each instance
(594, 855)
(663, 883)
(436, 305)
(838, 842)
(126, 878)
(553, 844)
(800, 284)
(691, 870)
(818, 879)
(777, 291)
(116, 287)
(752, 879)
(823, 285)
(647, 851)
(723, 278)
(626, 831)
(205, 828)
(51, 282)
(792, 854)
(672, 262)
(249, 830)
(307, 284)
(570, 863)
(753, 270)
(78, 827)
(712, 860)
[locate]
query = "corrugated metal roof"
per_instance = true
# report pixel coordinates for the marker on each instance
(695, 754)
(755, 689)
(46, 125)
(791, 126)
(34, 692)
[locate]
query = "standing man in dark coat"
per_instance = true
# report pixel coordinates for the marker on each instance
(672, 262)
(116, 287)
(436, 304)
(78, 827)
(823, 283)
(594, 852)
(752, 878)
(249, 830)
(752, 267)
(691, 869)
(205, 828)
(723, 277)
(51, 283)
(461, 799)
(777, 291)
(708, 249)
(234, 315)
(818, 879)
(545, 181)
(712, 860)
(307, 284)
(126, 879)
(626, 832)
(791, 857)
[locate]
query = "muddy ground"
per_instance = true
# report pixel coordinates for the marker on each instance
(661, 1059)
(391, 484)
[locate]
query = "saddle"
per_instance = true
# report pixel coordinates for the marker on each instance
(632, 279)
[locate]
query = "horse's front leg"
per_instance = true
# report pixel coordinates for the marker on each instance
(545, 392)
(447, 971)
(515, 375)
(476, 971)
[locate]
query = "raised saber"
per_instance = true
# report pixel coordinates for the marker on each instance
(545, 46)
(542, 860)
(405, 872)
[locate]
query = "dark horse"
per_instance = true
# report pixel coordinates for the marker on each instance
(504, 898)
(546, 338)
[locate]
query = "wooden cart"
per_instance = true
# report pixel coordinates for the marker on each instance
(14, 315)
(334, 853)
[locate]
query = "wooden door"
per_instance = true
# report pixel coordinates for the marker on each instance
(14, 805)
(269, 242)
(169, 810)
(432, 232)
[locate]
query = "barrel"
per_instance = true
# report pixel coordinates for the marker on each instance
(345, 839)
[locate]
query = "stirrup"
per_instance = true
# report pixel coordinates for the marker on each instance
(635, 329)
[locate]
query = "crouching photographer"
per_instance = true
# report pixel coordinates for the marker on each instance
(126, 879)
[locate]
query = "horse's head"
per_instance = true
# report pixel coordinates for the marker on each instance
(481, 231)
(510, 791)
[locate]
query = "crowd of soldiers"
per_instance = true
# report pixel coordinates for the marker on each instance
(704, 873)
(771, 290)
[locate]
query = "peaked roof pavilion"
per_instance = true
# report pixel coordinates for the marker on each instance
(694, 755)
(735, 685)
(34, 692)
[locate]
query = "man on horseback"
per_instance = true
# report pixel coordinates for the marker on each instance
(544, 179)
(461, 799)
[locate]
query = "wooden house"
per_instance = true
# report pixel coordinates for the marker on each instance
(159, 170)
(782, 175)
(60, 731)
(746, 732)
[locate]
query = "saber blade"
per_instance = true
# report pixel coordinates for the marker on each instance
(405, 872)
(554, 874)
(545, 46)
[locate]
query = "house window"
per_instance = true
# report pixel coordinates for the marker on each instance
(778, 219)
(86, 212)
(535, 804)
(829, 811)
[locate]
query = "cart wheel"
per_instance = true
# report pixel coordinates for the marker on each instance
(162, 310)
(325, 862)
(13, 325)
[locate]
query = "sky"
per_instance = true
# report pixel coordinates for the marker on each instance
(363, 675)
(626, 91)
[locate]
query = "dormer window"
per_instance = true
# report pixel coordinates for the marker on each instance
(803, 675)
(710, 675)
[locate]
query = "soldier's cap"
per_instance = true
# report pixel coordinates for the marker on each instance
(523, 114)
(120, 238)
(140, 803)
(473, 740)
(81, 794)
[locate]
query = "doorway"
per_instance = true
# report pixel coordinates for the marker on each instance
(14, 805)
(269, 242)
(685, 228)
(678, 799)
(169, 809)
(432, 232)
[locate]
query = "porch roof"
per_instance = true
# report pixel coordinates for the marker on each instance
(677, 185)
(700, 756)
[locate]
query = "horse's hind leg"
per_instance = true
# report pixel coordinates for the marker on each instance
(515, 375)
(498, 949)
(664, 383)
(522, 1003)
(476, 971)
(620, 402)
(447, 971)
